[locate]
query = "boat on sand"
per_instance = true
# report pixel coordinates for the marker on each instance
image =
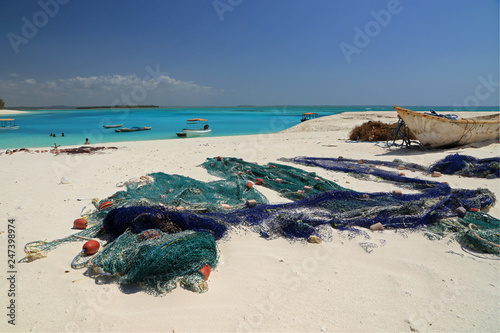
(434, 131)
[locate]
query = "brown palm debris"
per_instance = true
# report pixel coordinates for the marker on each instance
(374, 131)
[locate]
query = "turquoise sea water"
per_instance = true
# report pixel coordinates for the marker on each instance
(77, 125)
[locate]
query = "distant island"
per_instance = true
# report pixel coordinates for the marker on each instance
(119, 107)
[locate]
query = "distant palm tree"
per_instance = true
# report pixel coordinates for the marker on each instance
(2, 103)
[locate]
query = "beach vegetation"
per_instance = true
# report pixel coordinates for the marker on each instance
(2, 104)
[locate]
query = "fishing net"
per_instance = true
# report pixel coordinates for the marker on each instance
(140, 218)
(159, 260)
(162, 229)
(184, 193)
(475, 230)
(38, 249)
(362, 169)
(291, 183)
(308, 217)
(482, 233)
(468, 166)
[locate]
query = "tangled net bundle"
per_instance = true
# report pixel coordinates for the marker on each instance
(159, 260)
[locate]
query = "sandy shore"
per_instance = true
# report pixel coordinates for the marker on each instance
(8, 112)
(406, 283)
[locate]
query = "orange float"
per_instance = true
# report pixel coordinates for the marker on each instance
(91, 247)
(249, 185)
(259, 181)
(474, 209)
(80, 224)
(149, 234)
(219, 158)
(105, 204)
(205, 270)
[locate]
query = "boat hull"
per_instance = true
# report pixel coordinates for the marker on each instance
(193, 133)
(126, 130)
(434, 132)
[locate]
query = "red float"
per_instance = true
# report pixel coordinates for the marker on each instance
(91, 247)
(474, 209)
(249, 185)
(259, 181)
(80, 224)
(148, 234)
(105, 204)
(219, 158)
(205, 270)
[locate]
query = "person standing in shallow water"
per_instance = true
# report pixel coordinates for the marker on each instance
(87, 142)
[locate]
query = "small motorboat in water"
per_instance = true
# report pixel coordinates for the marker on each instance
(308, 116)
(132, 129)
(195, 127)
(8, 124)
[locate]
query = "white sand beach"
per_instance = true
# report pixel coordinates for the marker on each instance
(407, 283)
(4, 112)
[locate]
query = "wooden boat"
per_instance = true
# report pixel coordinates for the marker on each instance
(132, 129)
(112, 126)
(438, 131)
(8, 125)
(308, 116)
(195, 127)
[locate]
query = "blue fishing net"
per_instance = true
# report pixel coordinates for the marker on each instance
(468, 166)
(140, 218)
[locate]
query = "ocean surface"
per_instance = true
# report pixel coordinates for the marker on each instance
(36, 126)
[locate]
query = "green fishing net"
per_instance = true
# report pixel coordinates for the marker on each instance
(159, 260)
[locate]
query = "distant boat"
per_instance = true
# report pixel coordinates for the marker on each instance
(112, 126)
(309, 116)
(8, 124)
(437, 131)
(132, 129)
(195, 127)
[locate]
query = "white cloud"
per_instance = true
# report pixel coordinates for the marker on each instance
(104, 90)
(12, 74)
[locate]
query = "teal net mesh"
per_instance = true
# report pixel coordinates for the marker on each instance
(158, 260)
(289, 182)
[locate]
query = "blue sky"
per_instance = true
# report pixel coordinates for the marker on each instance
(238, 52)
